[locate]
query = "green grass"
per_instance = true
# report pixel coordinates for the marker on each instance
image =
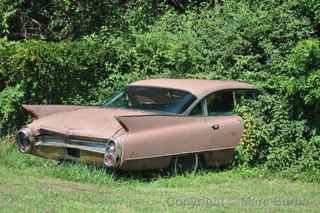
(30, 184)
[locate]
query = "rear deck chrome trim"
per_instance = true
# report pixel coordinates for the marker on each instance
(58, 141)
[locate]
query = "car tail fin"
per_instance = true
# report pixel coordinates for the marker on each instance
(145, 122)
(37, 111)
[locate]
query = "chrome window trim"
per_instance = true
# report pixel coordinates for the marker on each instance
(205, 107)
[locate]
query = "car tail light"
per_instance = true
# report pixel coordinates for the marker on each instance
(110, 160)
(24, 140)
(113, 153)
(111, 148)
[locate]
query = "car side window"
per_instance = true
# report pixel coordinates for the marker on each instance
(244, 94)
(220, 103)
(197, 110)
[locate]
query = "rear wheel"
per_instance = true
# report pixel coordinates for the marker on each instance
(185, 164)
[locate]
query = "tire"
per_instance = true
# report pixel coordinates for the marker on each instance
(185, 164)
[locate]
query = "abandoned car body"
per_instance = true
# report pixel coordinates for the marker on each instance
(152, 124)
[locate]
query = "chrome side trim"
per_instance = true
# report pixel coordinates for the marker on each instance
(179, 153)
(53, 141)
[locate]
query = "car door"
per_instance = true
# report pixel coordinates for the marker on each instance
(226, 128)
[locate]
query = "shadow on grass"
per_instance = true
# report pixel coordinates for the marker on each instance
(141, 176)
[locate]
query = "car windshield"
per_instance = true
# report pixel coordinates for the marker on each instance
(153, 98)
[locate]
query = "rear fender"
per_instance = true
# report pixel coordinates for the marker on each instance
(159, 136)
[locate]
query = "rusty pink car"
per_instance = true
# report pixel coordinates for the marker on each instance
(152, 124)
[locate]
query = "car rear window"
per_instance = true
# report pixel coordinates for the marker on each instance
(153, 98)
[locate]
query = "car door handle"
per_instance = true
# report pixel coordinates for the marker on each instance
(215, 126)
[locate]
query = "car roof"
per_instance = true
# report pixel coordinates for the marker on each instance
(197, 87)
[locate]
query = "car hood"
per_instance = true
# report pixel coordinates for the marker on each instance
(95, 122)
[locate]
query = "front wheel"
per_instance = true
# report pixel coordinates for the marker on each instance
(185, 164)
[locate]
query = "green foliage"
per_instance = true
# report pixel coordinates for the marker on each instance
(69, 19)
(305, 57)
(310, 159)
(50, 72)
(9, 9)
(253, 145)
(273, 138)
(305, 65)
(10, 112)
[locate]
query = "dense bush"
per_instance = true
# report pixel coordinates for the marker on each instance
(271, 136)
(273, 44)
(56, 20)
(10, 105)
